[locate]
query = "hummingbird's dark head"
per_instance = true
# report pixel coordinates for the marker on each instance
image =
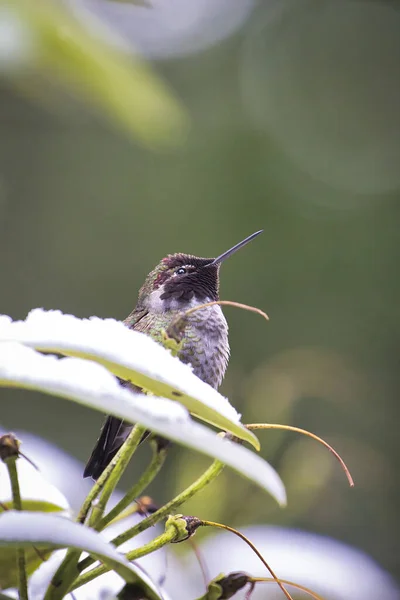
(180, 280)
(183, 280)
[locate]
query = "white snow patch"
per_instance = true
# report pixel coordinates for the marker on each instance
(33, 486)
(92, 385)
(116, 343)
(72, 376)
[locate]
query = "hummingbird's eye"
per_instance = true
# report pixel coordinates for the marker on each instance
(180, 271)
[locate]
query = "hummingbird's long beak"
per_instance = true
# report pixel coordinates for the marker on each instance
(229, 253)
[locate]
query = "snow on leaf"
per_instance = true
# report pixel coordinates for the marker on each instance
(56, 466)
(24, 529)
(37, 495)
(130, 355)
(91, 384)
(105, 586)
(36, 492)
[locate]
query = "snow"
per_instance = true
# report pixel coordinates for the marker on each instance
(91, 384)
(33, 486)
(27, 527)
(142, 359)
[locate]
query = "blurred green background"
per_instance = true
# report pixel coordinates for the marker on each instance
(294, 128)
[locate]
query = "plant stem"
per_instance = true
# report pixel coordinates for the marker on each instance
(167, 537)
(252, 546)
(103, 479)
(16, 495)
(129, 448)
(212, 472)
(302, 588)
(253, 426)
(68, 571)
(137, 489)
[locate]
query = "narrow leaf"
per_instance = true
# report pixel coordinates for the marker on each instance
(81, 54)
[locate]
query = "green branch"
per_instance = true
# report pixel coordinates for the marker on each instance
(212, 472)
(129, 448)
(138, 488)
(16, 495)
(68, 571)
(166, 538)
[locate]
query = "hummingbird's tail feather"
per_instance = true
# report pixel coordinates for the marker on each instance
(113, 434)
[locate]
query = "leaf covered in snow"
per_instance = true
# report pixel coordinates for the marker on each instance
(91, 384)
(36, 492)
(130, 355)
(24, 529)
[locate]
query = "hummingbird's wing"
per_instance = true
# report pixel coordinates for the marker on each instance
(137, 319)
(114, 431)
(112, 436)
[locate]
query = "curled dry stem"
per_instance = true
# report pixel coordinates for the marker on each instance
(200, 560)
(253, 426)
(255, 550)
(299, 587)
(228, 303)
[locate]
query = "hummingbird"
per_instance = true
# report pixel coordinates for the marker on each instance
(179, 282)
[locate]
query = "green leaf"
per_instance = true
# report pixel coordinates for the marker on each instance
(55, 46)
(37, 495)
(90, 384)
(24, 529)
(34, 505)
(8, 564)
(36, 492)
(130, 355)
